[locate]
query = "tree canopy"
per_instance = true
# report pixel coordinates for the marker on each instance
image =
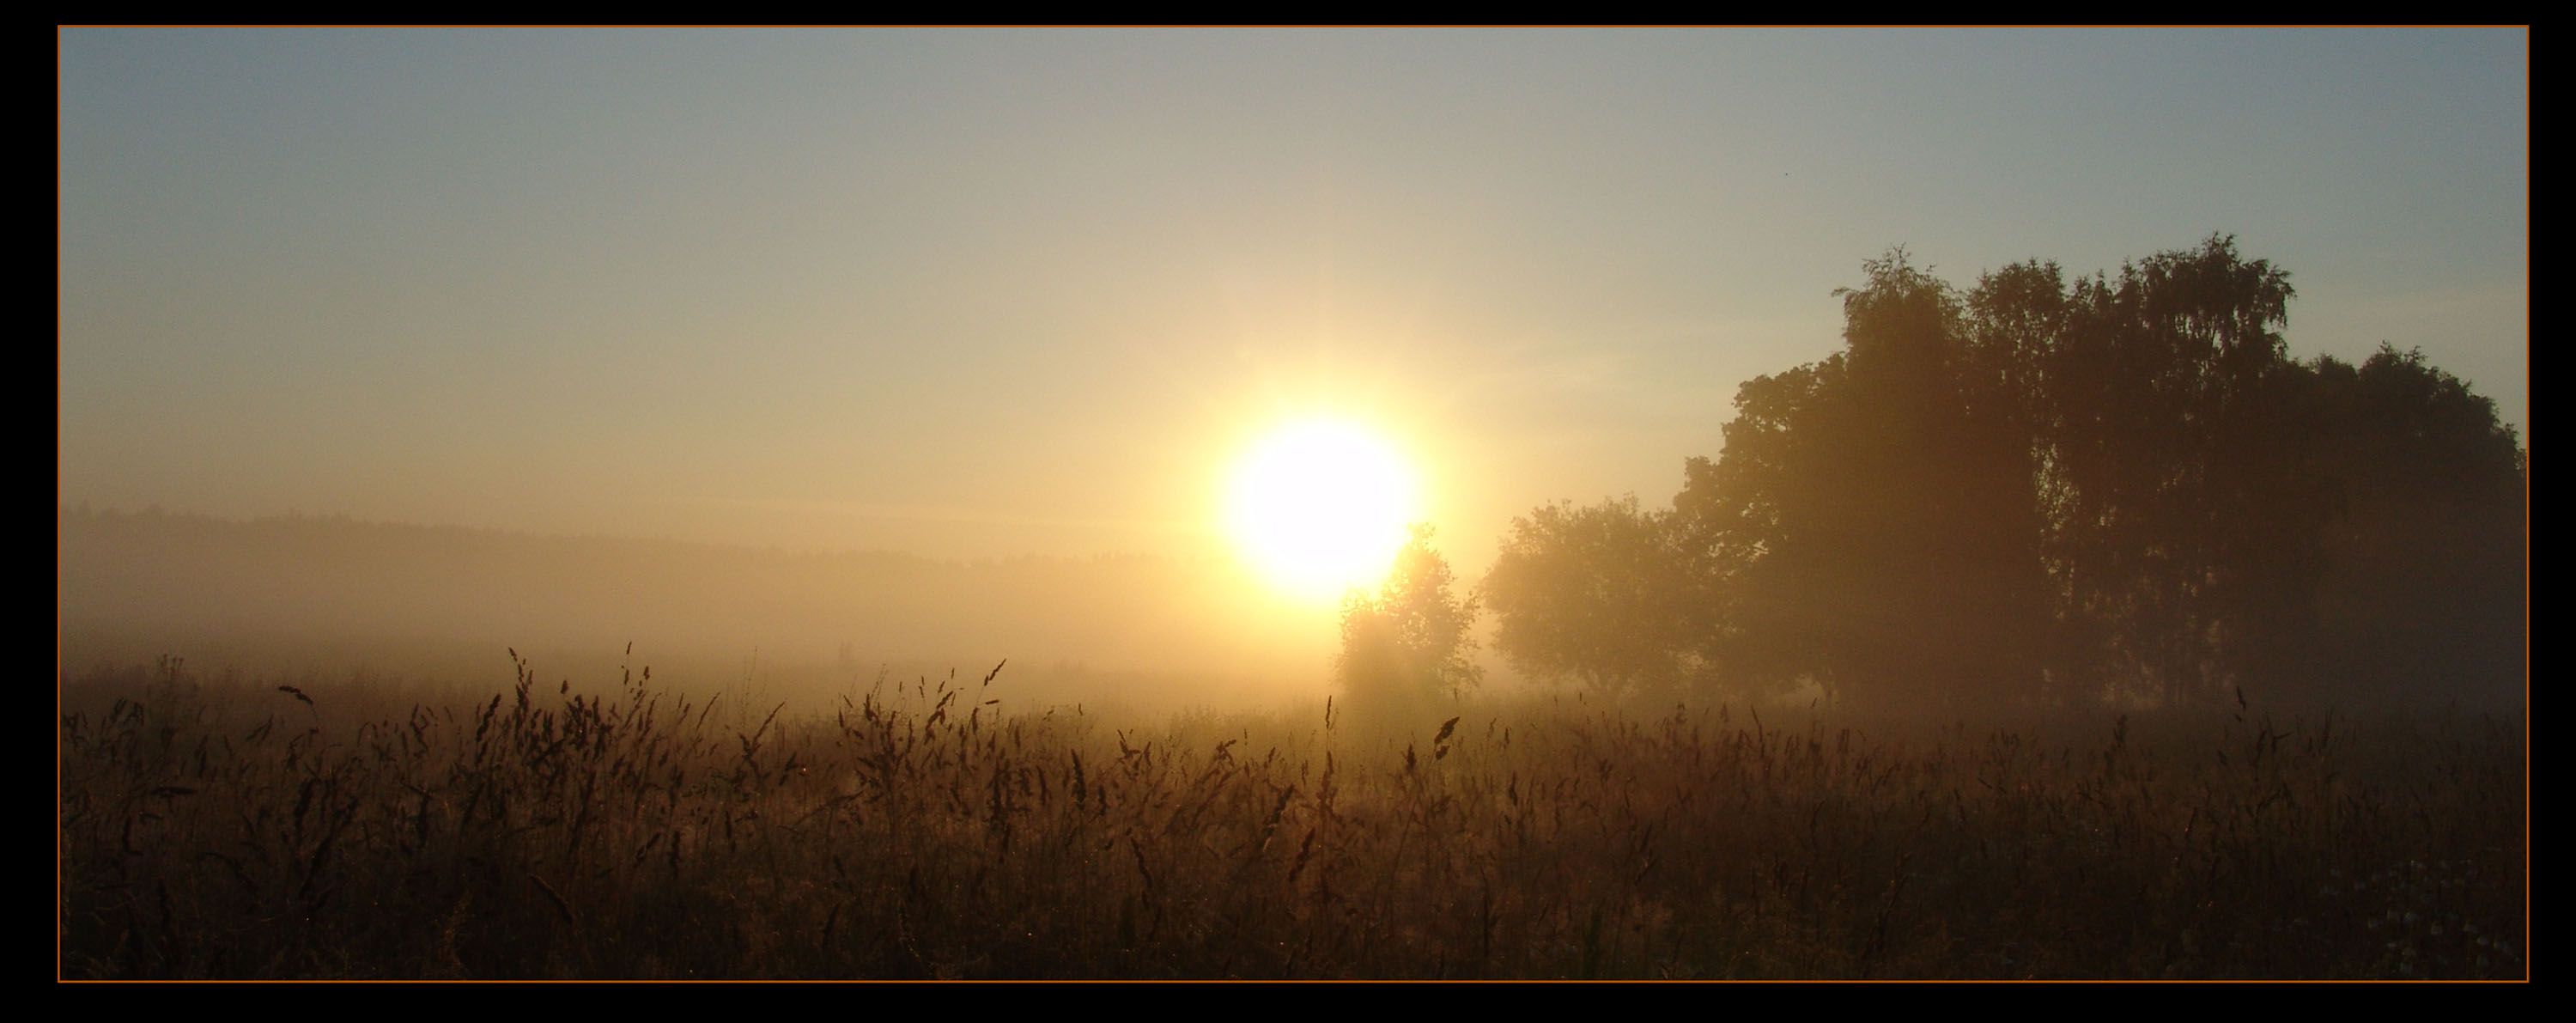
(1407, 648)
(1603, 594)
(2040, 491)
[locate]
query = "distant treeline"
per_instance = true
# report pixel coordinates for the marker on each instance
(331, 594)
(2042, 491)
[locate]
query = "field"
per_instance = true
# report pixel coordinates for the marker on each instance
(933, 829)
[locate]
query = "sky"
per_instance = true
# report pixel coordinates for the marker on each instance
(981, 293)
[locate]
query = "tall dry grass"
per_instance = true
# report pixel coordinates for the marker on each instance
(932, 829)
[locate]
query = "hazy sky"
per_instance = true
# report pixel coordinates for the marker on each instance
(969, 293)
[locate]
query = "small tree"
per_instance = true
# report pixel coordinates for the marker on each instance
(1408, 648)
(1605, 595)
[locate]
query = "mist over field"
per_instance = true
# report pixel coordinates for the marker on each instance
(318, 598)
(1312, 504)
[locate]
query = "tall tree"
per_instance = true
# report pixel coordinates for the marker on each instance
(2179, 538)
(1883, 500)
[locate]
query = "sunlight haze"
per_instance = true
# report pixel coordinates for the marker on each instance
(976, 293)
(985, 295)
(1293, 504)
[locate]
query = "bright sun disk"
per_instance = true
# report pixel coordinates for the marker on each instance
(1321, 506)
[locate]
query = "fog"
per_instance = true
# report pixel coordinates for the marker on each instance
(334, 598)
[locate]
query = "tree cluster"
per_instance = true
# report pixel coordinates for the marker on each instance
(2041, 491)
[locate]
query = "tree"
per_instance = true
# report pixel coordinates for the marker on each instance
(2424, 593)
(2037, 491)
(1408, 648)
(2181, 535)
(1874, 514)
(2216, 517)
(1603, 594)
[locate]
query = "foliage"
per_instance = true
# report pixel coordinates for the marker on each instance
(2426, 562)
(2039, 491)
(2180, 524)
(1409, 647)
(1888, 499)
(1601, 594)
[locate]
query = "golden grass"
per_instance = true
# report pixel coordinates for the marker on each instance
(919, 831)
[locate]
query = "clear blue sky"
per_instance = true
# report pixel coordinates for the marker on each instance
(982, 292)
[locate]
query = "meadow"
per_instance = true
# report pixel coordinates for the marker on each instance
(939, 828)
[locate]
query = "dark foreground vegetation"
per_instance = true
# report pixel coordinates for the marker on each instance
(238, 830)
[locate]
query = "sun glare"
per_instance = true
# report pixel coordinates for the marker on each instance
(1321, 506)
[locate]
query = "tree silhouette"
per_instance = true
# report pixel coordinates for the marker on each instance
(2424, 593)
(1408, 648)
(2039, 491)
(1881, 505)
(1605, 594)
(2176, 530)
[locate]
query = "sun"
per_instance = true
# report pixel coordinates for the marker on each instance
(1321, 506)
